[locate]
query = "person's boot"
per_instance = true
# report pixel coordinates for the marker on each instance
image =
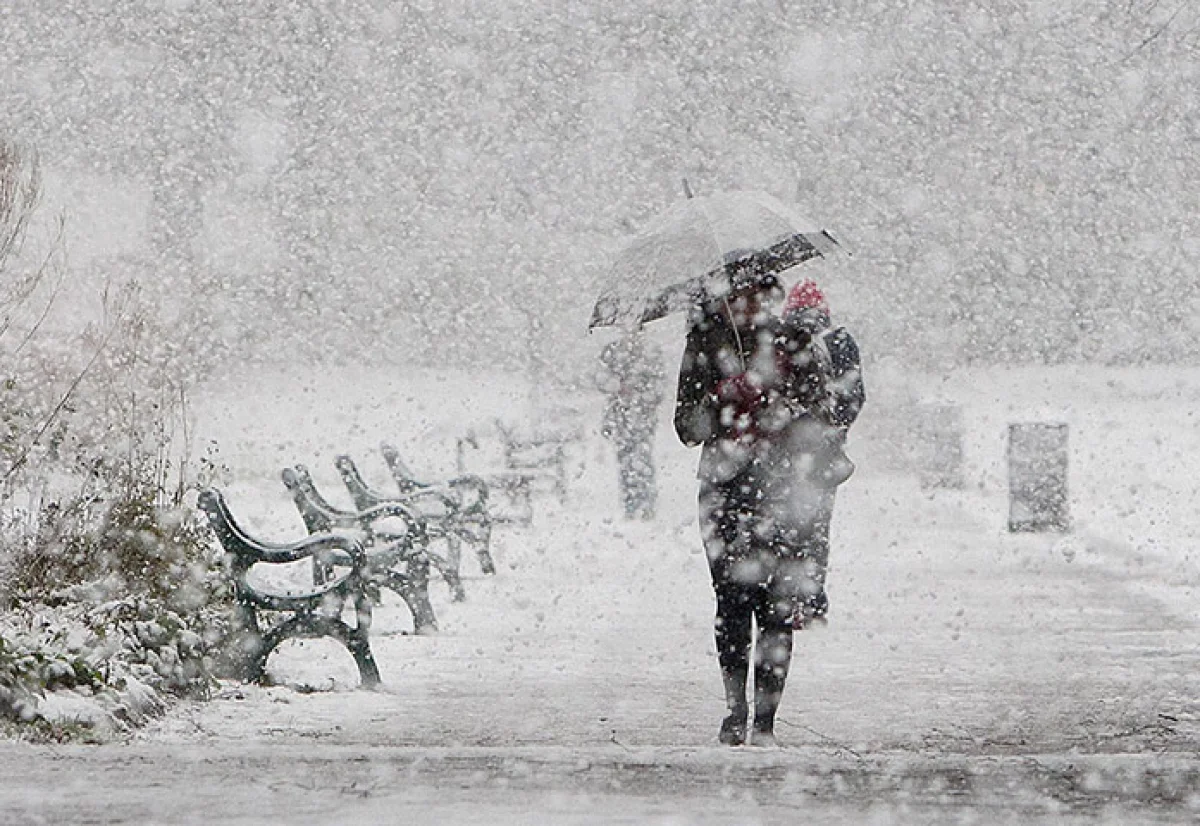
(818, 607)
(763, 738)
(811, 612)
(770, 675)
(733, 727)
(766, 704)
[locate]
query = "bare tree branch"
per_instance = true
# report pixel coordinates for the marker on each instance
(20, 191)
(112, 327)
(1154, 35)
(39, 275)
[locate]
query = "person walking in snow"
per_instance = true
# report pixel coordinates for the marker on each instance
(728, 365)
(816, 398)
(633, 378)
(759, 394)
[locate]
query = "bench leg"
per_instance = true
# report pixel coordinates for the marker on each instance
(447, 566)
(297, 625)
(244, 646)
(358, 641)
(355, 639)
(368, 672)
(560, 477)
(413, 588)
(484, 555)
(524, 496)
(477, 531)
(454, 563)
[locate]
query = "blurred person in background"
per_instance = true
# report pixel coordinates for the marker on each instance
(817, 397)
(632, 375)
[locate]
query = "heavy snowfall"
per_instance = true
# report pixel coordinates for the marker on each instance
(241, 237)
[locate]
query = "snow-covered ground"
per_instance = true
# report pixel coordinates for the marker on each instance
(967, 675)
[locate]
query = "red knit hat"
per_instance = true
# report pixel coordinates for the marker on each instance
(805, 295)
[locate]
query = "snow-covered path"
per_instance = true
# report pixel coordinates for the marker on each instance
(965, 673)
(992, 675)
(598, 632)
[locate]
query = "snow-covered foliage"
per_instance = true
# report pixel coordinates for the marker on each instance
(73, 666)
(136, 597)
(31, 666)
(111, 592)
(106, 582)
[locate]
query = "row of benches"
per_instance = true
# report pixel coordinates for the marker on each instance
(386, 541)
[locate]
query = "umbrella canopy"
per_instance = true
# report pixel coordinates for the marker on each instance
(702, 249)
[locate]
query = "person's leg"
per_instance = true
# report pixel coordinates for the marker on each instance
(636, 477)
(720, 514)
(791, 542)
(732, 632)
(772, 659)
(626, 477)
(643, 469)
(816, 561)
(773, 608)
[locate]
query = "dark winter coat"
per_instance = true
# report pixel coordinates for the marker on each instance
(829, 363)
(723, 379)
(823, 392)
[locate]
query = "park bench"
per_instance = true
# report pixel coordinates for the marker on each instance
(313, 611)
(439, 508)
(519, 465)
(470, 519)
(542, 456)
(514, 486)
(394, 536)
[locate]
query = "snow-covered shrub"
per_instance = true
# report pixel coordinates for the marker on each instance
(108, 584)
(121, 568)
(29, 668)
(77, 670)
(136, 593)
(45, 669)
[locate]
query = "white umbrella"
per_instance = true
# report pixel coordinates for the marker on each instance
(702, 249)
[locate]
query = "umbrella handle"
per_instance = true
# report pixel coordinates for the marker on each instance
(736, 335)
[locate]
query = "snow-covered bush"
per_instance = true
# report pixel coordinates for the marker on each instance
(108, 585)
(80, 669)
(30, 667)
(142, 583)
